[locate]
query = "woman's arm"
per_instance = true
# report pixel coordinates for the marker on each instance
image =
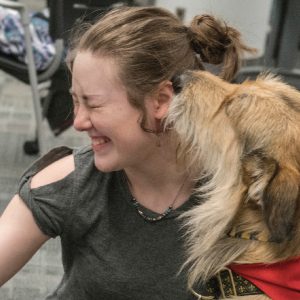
(20, 236)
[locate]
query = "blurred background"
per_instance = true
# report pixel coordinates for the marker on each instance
(35, 106)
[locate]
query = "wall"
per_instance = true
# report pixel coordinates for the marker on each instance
(251, 17)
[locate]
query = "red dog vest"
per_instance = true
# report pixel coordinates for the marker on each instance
(279, 281)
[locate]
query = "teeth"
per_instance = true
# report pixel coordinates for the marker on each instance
(99, 141)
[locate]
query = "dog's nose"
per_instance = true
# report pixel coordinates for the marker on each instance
(177, 83)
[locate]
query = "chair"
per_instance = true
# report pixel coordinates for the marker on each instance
(27, 73)
(282, 45)
(63, 15)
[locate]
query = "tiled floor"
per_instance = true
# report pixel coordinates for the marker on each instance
(43, 272)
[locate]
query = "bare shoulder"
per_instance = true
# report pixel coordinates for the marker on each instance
(54, 172)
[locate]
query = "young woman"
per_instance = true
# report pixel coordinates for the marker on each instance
(115, 203)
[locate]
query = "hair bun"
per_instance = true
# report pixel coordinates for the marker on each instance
(210, 39)
(217, 43)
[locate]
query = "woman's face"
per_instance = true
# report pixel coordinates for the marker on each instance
(102, 109)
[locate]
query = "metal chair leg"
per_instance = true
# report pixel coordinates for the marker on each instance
(33, 83)
(31, 147)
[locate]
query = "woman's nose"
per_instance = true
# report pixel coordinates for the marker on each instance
(82, 120)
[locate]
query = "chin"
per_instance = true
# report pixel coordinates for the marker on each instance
(105, 165)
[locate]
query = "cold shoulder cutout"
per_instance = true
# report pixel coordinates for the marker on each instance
(51, 199)
(54, 172)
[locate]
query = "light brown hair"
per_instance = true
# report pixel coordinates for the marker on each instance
(151, 45)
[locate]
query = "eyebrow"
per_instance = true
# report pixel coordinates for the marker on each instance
(86, 96)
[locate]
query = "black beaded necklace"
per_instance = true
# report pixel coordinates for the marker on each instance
(148, 218)
(161, 216)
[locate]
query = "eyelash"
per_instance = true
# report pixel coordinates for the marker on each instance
(76, 103)
(94, 106)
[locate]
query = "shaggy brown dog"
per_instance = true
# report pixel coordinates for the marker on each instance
(246, 139)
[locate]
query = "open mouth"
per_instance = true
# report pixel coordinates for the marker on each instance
(99, 142)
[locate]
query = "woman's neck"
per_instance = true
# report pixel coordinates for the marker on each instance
(157, 187)
(160, 181)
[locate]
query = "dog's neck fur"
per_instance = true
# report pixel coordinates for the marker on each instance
(215, 146)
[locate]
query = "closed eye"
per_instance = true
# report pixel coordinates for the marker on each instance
(93, 104)
(90, 101)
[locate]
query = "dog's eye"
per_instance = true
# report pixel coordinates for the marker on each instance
(177, 83)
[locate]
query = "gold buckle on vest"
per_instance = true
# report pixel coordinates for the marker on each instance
(201, 297)
(221, 286)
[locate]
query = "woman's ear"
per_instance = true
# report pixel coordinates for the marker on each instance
(160, 101)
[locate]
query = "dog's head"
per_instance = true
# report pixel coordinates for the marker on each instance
(193, 114)
(215, 121)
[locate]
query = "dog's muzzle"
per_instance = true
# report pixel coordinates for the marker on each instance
(177, 81)
(181, 80)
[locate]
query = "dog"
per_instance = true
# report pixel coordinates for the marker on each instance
(242, 141)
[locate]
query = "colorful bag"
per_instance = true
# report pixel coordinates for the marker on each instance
(12, 38)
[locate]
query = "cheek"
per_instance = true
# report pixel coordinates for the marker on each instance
(128, 136)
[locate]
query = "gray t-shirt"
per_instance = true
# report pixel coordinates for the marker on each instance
(109, 251)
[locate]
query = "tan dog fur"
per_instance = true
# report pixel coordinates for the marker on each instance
(246, 139)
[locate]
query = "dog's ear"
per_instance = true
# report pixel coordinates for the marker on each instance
(275, 189)
(257, 172)
(280, 201)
